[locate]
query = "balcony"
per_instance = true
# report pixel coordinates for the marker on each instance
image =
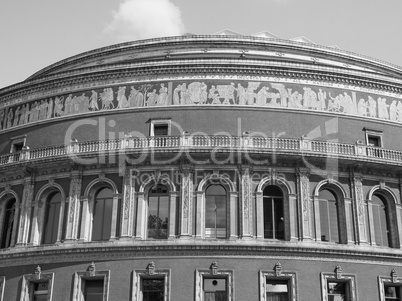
(207, 144)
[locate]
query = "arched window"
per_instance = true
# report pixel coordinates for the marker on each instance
(328, 207)
(215, 212)
(158, 212)
(8, 223)
(274, 226)
(52, 218)
(380, 220)
(102, 215)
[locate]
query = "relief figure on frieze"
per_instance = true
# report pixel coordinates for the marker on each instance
(262, 96)
(23, 114)
(227, 93)
(392, 111)
(309, 98)
(241, 95)
(322, 97)
(184, 95)
(213, 93)
(362, 107)
(106, 98)
(163, 96)
(194, 89)
(136, 98)
(372, 107)
(250, 92)
(176, 95)
(49, 109)
(334, 103)
(295, 99)
(58, 106)
(122, 101)
(282, 92)
(152, 98)
(382, 108)
(10, 116)
(93, 101)
(399, 111)
(16, 116)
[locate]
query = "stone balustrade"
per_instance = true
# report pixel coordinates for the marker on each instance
(206, 143)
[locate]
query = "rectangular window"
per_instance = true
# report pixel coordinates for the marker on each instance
(151, 284)
(277, 290)
(373, 137)
(153, 289)
(93, 290)
(91, 285)
(338, 286)
(37, 286)
(392, 292)
(278, 285)
(337, 291)
(17, 143)
(215, 289)
(161, 129)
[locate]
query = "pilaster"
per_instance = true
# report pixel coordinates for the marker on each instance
(246, 213)
(186, 209)
(303, 185)
(362, 237)
(73, 214)
(128, 208)
(23, 209)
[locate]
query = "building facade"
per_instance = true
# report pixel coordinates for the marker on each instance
(219, 167)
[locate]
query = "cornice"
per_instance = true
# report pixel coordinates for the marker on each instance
(123, 72)
(293, 251)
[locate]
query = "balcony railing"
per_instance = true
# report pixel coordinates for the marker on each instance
(302, 146)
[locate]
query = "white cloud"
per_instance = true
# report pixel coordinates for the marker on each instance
(143, 19)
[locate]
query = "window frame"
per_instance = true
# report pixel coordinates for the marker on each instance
(17, 141)
(213, 272)
(28, 281)
(2, 285)
(278, 275)
(150, 273)
(90, 274)
(158, 195)
(392, 280)
(227, 212)
(161, 121)
(273, 213)
(338, 276)
(376, 134)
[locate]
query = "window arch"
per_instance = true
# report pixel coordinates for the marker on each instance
(274, 219)
(9, 223)
(158, 212)
(380, 220)
(52, 218)
(216, 220)
(329, 220)
(102, 215)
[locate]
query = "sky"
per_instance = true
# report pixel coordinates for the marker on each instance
(37, 33)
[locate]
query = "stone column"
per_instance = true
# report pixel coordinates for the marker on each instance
(259, 213)
(362, 236)
(233, 215)
(73, 214)
(128, 208)
(293, 220)
(141, 218)
(371, 224)
(246, 208)
(23, 209)
(186, 209)
(115, 209)
(200, 227)
(303, 185)
(174, 196)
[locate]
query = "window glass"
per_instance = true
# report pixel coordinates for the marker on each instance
(276, 290)
(273, 213)
(380, 220)
(158, 212)
(153, 289)
(40, 291)
(161, 129)
(215, 290)
(215, 212)
(337, 291)
(93, 290)
(392, 293)
(8, 223)
(102, 215)
(51, 226)
(328, 216)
